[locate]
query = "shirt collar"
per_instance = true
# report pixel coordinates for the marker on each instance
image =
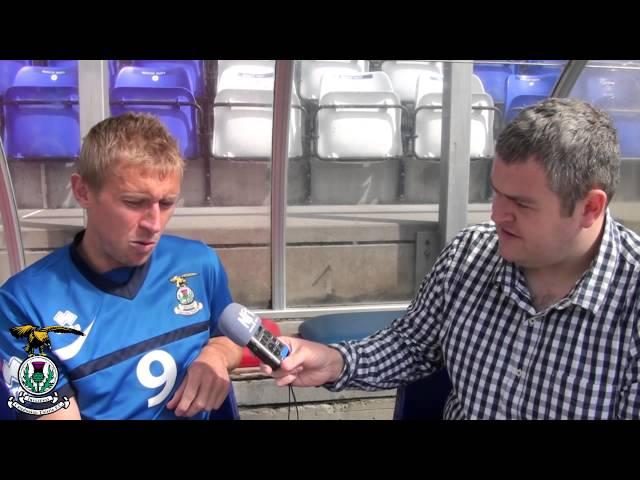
(590, 291)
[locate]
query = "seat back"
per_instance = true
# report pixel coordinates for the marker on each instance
(404, 76)
(494, 77)
(194, 70)
(41, 114)
(342, 327)
(8, 71)
(428, 126)
(359, 118)
(524, 90)
(163, 93)
(541, 67)
(312, 71)
(113, 67)
(231, 69)
(243, 117)
(423, 399)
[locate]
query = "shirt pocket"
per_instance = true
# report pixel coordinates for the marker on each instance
(577, 398)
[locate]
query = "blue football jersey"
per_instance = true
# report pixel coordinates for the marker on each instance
(141, 331)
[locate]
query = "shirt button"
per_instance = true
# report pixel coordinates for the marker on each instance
(532, 321)
(518, 373)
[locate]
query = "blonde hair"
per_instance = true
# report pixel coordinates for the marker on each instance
(136, 139)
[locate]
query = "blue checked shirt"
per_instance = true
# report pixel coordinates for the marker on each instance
(473, 314)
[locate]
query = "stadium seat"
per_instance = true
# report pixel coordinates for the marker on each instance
(63, 63)
(342, 327)
(404, 76)
(243, 117)
(41, 114)
(423, 399)
(113, 67)
(358, 140)
(628, 126)
(193, 68)
(428, 126)
(312, 71)
(164, 93)
(494, 77)
(231, 68)
(541, 67)
(358, 117)
(8, 71)
(525, 90)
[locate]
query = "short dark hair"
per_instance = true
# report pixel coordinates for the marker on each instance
(576, 143)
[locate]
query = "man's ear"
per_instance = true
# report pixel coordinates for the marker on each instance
(594, 205)
(80, 190)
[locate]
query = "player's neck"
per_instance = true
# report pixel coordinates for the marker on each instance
(89, 249)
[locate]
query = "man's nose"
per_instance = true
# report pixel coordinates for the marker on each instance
(501, 211)
(151, 220)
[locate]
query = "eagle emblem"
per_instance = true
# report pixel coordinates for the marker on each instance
(187, 304)
(38, 374)
(39, 337)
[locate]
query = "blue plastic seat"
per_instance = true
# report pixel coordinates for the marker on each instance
(423, 399)
(627, 124)
(340, 327)
(617, 92)
(63, 63)
(524, 90)
(541, 67)
(494, 78)
(8, 71)
(193, 68)
(164, 93)
(113, 67)
(609, 87)
(41, 114)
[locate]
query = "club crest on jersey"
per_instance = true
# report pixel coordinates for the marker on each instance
(38, 374)
(187, 303)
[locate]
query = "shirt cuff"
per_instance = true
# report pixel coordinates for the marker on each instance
(348, 359)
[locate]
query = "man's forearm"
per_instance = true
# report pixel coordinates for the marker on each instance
(231, 352)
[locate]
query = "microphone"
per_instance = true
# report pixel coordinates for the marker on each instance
(244, 328)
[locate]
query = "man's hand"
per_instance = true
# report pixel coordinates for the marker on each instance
(309, 364)
(207, 382)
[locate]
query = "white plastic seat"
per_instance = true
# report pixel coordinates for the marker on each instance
(239, 66)
(244, 130)
(354, 126)
(358, 82)
(476, 84)
(428, 126)
(429, 82)
(312, 71)
(238, 77)
(404, 76)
